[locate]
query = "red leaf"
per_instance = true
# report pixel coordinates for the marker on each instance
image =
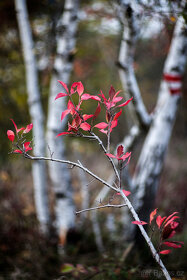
(77, 86)
(112, 92)
(171, 234)
(165, 252)
(173, 244)
(17, 151)
(171, 220)
(173, 225)
(64, 133)
(26, 146)
(102, 95)
(70, 105)
(14, 125)
(125, 103)
(17, 130)
(101, 125)
(95, 97)
(110, 155)
(86, 117)
(124, 157)
(28, 128)
(73, 126)
(85, 126)
(128, 161)
(139, 223)
(97, 111)
(117, 93)
(117, 115)
(10, 135)
(87, 96)
(152, 215)
(114, 123)
(159, 220)
(103, 131)
(64, 85)
(61, 94)
(170, 217)
(117, 99)
(119, 150)
(126, 193)
(65, 113)
(76, 122)
(80, 88)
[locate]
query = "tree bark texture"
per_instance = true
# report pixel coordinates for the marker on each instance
(60, 176)
(152, 156)
(131, 31)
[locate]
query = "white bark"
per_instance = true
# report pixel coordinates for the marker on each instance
(151, 159)
(129, 16)
(36, 114)
(60, 176)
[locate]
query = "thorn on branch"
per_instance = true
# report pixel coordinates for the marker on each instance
(50, 152)
(71, 167)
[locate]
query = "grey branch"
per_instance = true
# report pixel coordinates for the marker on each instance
(73, 164)
(101, 207)
(105, 151)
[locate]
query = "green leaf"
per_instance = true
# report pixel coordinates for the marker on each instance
(67, 268)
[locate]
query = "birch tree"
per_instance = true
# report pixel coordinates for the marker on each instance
(66, 38)
(36, 114)
(148, 170)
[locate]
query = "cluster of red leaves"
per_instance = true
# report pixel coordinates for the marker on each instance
(120, 156)
(167, 228)
(80, 120)
(11, 136)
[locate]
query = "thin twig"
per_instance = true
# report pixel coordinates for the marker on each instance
(105, 151)
(73, 164)
(100, 207)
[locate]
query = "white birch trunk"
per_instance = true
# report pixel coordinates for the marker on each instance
(137, 110)
(36, 114)
(150, 163)
(60, 175)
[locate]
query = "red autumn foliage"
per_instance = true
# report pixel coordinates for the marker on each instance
(75, 110)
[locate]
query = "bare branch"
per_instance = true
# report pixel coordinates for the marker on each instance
(73, 164)
(101, 207)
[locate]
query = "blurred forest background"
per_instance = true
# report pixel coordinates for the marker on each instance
(24, 252)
